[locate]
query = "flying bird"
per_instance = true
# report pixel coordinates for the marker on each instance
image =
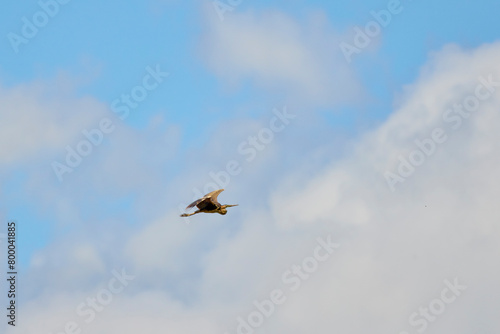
(208, 204)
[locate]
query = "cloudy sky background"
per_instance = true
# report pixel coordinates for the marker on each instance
(322, 176)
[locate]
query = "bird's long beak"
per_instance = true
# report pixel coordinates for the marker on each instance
(230, 205)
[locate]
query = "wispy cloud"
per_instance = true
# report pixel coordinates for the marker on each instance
(281, 55)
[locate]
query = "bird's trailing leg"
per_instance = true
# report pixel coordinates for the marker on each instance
(190, 214)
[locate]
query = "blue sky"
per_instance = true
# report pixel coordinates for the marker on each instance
(226, 81)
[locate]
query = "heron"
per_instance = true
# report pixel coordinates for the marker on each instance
(208, 204)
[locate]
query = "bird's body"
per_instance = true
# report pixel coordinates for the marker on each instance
(208, 204)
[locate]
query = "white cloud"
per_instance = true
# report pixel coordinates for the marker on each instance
(42, 117)
(420, 112)
(280, 54)
(162, 246)
(440, 223)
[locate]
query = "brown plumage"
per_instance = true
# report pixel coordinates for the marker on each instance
(208, 204)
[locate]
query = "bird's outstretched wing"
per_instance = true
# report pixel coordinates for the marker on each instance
(194, 203)
(213, 195)
(210, 196)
